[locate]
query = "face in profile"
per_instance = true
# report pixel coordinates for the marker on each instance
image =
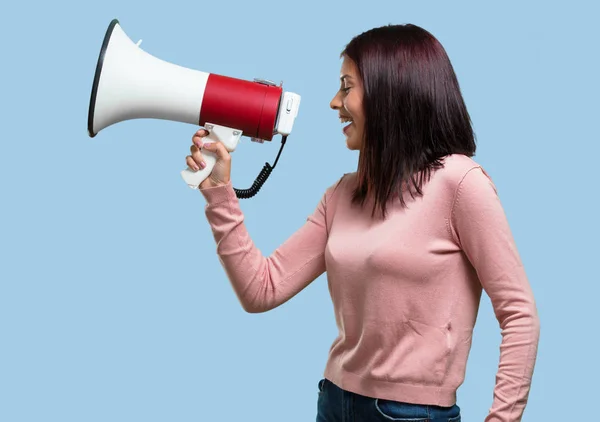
(348, 103)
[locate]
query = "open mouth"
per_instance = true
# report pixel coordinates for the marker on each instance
(347, 120)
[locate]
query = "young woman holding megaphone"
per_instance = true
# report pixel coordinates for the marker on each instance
(406, 273)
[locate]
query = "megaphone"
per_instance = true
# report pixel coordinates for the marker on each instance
(130, 84)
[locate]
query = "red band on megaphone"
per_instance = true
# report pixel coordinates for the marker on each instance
(249, 106)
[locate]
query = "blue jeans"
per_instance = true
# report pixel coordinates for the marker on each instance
(337, 405)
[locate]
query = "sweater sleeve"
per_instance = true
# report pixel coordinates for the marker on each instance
(263, 283)
(482, 231)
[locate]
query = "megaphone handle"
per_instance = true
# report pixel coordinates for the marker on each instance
(194, 178)
(228, 136)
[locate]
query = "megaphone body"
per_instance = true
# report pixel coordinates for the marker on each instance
(130, 84)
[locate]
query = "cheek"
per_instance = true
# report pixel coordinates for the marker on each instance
(353, 106)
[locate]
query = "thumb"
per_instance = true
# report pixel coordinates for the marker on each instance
(218, 148)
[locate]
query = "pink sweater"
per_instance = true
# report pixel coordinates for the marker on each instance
(405, 290)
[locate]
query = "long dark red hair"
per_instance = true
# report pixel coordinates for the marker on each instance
(414, 111)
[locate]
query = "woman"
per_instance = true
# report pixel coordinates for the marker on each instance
(408, 242)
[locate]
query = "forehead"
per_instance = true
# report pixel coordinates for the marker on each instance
(348, 68)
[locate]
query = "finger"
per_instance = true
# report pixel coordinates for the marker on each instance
(218, 148)
(191, 163)
(197, 156)
(197, 138)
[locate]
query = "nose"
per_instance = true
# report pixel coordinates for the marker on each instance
(336, 103)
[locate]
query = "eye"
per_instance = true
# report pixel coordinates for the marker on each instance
(346, 89)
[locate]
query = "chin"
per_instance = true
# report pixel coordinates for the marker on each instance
(352, 144)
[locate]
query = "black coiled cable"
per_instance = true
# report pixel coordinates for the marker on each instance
(262, 176)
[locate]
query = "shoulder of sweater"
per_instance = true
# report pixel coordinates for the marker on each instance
(456, 167)
(462, 173)
(332, 189)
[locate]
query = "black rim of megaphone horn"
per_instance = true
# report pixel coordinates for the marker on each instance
(99, 64)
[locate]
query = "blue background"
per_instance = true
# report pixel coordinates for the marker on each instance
(113, 304)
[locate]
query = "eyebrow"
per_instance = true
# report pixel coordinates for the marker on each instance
(345, 76)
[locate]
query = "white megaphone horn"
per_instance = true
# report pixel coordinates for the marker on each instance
(131, 84)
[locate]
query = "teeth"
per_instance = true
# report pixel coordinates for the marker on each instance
(345, 120)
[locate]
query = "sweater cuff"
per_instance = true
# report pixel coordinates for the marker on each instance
(218, 194)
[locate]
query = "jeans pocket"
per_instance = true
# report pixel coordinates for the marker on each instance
(399, 411)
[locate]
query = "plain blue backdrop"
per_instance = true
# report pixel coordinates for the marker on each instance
(113, 304)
